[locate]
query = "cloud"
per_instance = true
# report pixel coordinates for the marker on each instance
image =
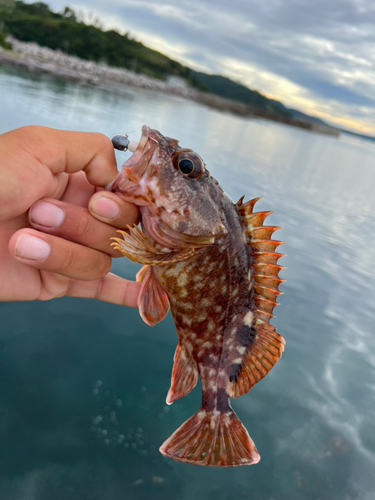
(317, 55)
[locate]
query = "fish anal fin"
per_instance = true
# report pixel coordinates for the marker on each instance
(153, 301)
(212, 439)
(184, 374)
(263, 353)
(137, 247)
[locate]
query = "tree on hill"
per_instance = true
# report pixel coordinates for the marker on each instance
(84, 37)
(64, 31)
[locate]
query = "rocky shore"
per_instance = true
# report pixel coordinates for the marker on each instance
(30, 56)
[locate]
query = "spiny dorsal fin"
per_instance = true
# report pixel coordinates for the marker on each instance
(263, 345)
(239, 202)
(265, 245)
(264, 269)
(247, 208)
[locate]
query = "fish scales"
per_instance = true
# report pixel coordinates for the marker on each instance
(213, 263)
(201, 306)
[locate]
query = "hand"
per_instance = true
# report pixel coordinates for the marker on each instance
(51, 180)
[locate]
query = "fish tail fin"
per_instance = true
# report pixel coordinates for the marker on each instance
(212, 439)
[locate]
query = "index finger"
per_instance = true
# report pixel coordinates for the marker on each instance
(70, 152)
(33, 158)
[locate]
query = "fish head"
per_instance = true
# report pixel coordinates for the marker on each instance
(180, 203)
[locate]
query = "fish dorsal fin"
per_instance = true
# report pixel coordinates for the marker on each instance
(153, 301)
(184, 374)
(264, 268)
(261, 347)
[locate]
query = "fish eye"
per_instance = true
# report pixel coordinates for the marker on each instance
(188, 164)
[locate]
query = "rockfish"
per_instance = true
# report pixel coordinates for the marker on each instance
(213, 263)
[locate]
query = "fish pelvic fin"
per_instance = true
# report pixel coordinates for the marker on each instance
(153, 301)
(137, 247)
(184, 375)
(212, 439)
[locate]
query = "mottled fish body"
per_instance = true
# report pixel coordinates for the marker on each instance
(213, 263)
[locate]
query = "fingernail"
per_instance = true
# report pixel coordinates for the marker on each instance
(104, 207)
(32, 248)
(46, 214)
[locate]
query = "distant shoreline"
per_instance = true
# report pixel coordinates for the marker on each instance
(30, 56)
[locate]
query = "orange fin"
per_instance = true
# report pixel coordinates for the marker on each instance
(188, 240)
(265, 350)
(184, 375)
(153, 302)
(137, 247)
(212, 439)
(263, 346)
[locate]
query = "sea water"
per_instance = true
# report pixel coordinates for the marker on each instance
(83, 383)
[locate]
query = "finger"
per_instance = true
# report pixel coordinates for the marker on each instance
(65, 151)
(111, 289)
(57, 255)
(76, 224)
(78, 190)
(33, 159)
(111, 209)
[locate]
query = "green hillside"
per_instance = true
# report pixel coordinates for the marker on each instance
(67, 32)
(37, 23)
(224, 87)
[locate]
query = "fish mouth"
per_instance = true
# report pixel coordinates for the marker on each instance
(129, 183)
(133, 182)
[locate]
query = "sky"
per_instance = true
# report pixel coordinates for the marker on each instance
(317, 56)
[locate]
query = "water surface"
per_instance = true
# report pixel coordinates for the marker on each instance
(83, 384)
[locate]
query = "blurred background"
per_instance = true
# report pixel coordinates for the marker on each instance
(278, 99)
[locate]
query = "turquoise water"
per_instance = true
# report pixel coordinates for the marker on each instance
(83, 384)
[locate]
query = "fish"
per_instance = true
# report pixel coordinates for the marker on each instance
(213, 263)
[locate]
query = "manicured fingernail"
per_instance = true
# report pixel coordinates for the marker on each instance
(46, 214)
(32, 248)
(104, 207)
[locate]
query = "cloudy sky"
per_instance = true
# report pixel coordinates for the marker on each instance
(317, 56)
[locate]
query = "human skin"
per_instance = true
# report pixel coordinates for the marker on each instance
(55, 219)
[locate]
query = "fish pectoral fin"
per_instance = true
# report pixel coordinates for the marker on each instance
(137, 247)
(266, 348)
(187, 240)
(184, 375)
(153, 301)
